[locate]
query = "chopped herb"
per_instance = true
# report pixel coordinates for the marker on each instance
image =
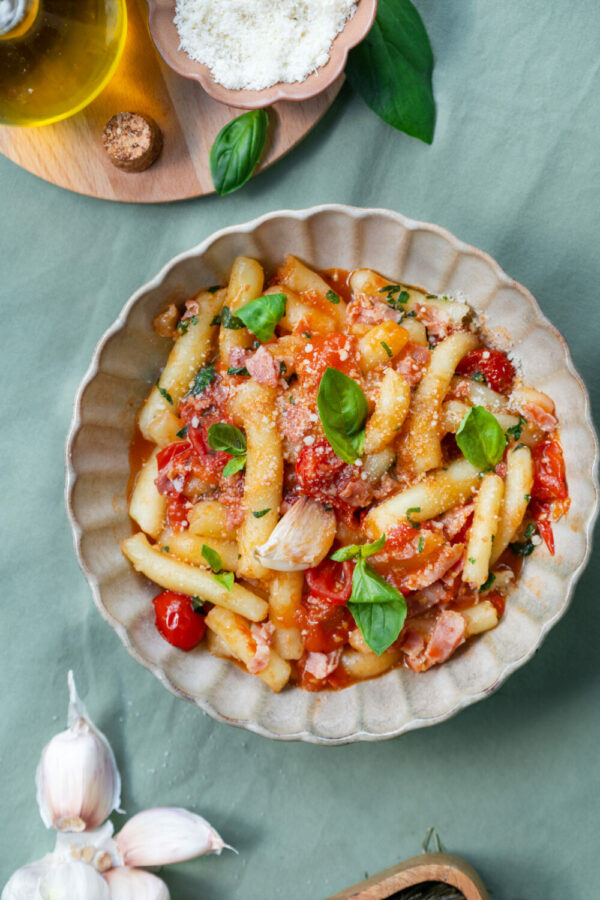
(234, 465)
(332, 296)
(430, 297)
(184, 324)
(240, 370)
(282, 368)
(216, 320)
(214, 560)
(306, 334)
(519, 446)
(225, 579)
(410, 315)
(182, 432)
(197, 604)
(214, 289)
(228, 320)
(431, 346)
(164, 394)
(487, 583)
(292, 400)
(413, 509)
(166, 549)
(259, 513)
(472, 560)
(421, 544)
(328, 506)
(530, 530)
(527, 497)
(515, 431)
(479, 376)
(398, 301)
(525, 547)
(202, 379)
(386, 348)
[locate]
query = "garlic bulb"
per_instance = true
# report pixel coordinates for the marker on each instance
(301, 538)
(134, 884)
(165, 835)
(94, 847)
(24, 882)
(72, 881)
(78, 783)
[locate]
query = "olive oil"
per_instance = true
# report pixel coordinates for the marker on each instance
(57, 56)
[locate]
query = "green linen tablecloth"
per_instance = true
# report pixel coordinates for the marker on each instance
(512, 784)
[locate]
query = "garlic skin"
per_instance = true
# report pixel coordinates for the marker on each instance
(135, 884)
(157, 837)
(301, 538)
(23, 884)
(72, 881)
(78, 783)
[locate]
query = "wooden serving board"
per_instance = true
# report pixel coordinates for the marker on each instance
(427, 867)
(70, 153)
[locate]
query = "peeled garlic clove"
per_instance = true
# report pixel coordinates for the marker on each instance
(134, 884)
(78, 783)
(165, 835)
(301, 538)
(23, 885)
(71, 880)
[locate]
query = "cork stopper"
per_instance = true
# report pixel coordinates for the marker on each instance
(133, 141)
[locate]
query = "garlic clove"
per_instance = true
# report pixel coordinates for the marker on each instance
(72, 881)
(78, 783)
(135, 884)
(95, 847)
(23, 884)
(157, 837)
(301, 538)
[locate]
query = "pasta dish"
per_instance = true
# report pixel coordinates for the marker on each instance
(335, 475)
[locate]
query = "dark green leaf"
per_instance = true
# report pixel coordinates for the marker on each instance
(212, 558)
(214, 289)
(197, 604)
(409, 512)
(182, 433)
(225, 579)
(239, 370)
(481, 438)
(228, 438)
(202, 379)
(261, 316)
(514, 433)
(479, 376)
(237, 149)
(332, 296)
(184, 324)
(259, 513)
(234, 465)
(392, 69)
(487, 583)
(386, 348)
(228, 320)
(343, 409)
(380, 623)
(164, 394)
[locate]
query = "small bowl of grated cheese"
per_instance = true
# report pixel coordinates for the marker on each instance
(253, 53)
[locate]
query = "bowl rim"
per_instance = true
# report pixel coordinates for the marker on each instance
(166, 39)
(76, 424)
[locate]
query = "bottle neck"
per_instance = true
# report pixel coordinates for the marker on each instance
(17, 17)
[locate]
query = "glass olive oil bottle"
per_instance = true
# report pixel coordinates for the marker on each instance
(56, 56)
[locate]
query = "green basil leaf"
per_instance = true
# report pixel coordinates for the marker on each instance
(260, 316)
(228, 438)
(369, 587)
(374, 547)
(225, 579)
(343, 409)
(236, 464)
(380, 623)
(392, 68)
(344, 553)
(212, 558)
(202, 379)
(237, 150)
(481, 438)
(259, 513)
(228, 320)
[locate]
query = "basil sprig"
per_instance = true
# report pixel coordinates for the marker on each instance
(225, 579)
(343, 409)
(237, 149)
(228, 439)
(481, 438)
(392, 69)
(261, 316)
(378, 608)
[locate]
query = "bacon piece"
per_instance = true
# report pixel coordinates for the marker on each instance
(369, 311)
(452, 523)
(413, 643)
(262, 367)
(411, 362)
(294, 422)
(438, 323)
(443, 560)
(540, 417)
(192, 308)
(237, 357)
(263, 637)
(448, 634)
(320, 665)
(356, 493)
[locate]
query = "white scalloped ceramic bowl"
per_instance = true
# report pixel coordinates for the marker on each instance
(125, 364)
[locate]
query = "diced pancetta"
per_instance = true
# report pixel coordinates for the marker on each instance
(448, 634)
(411, 362)
(437, 322)
(452, 523)
(263, 637)
(192, 308)
(237, 357)
(262, 367)
(320, 665)
(446, 557)
(370, 311)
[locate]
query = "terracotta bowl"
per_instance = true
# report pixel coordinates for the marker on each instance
(166, 38)
(125, 365)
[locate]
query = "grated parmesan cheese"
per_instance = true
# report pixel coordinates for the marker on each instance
(253, 44)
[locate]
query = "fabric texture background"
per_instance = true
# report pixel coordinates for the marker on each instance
(513, 783)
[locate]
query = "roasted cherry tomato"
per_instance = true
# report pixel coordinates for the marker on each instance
(335, 350)
(177, 513)
(176, 620)
(337, 679)
(324, 627)
(323, 475)
(542, 516)
(331, 581)
(173, 464)
(549, 481)
(493, 366)
(496, 598)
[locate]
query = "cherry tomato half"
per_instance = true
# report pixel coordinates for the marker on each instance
(549, 481)
(176, 620)
(493, 365)
(324, 627)
(331, 581)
